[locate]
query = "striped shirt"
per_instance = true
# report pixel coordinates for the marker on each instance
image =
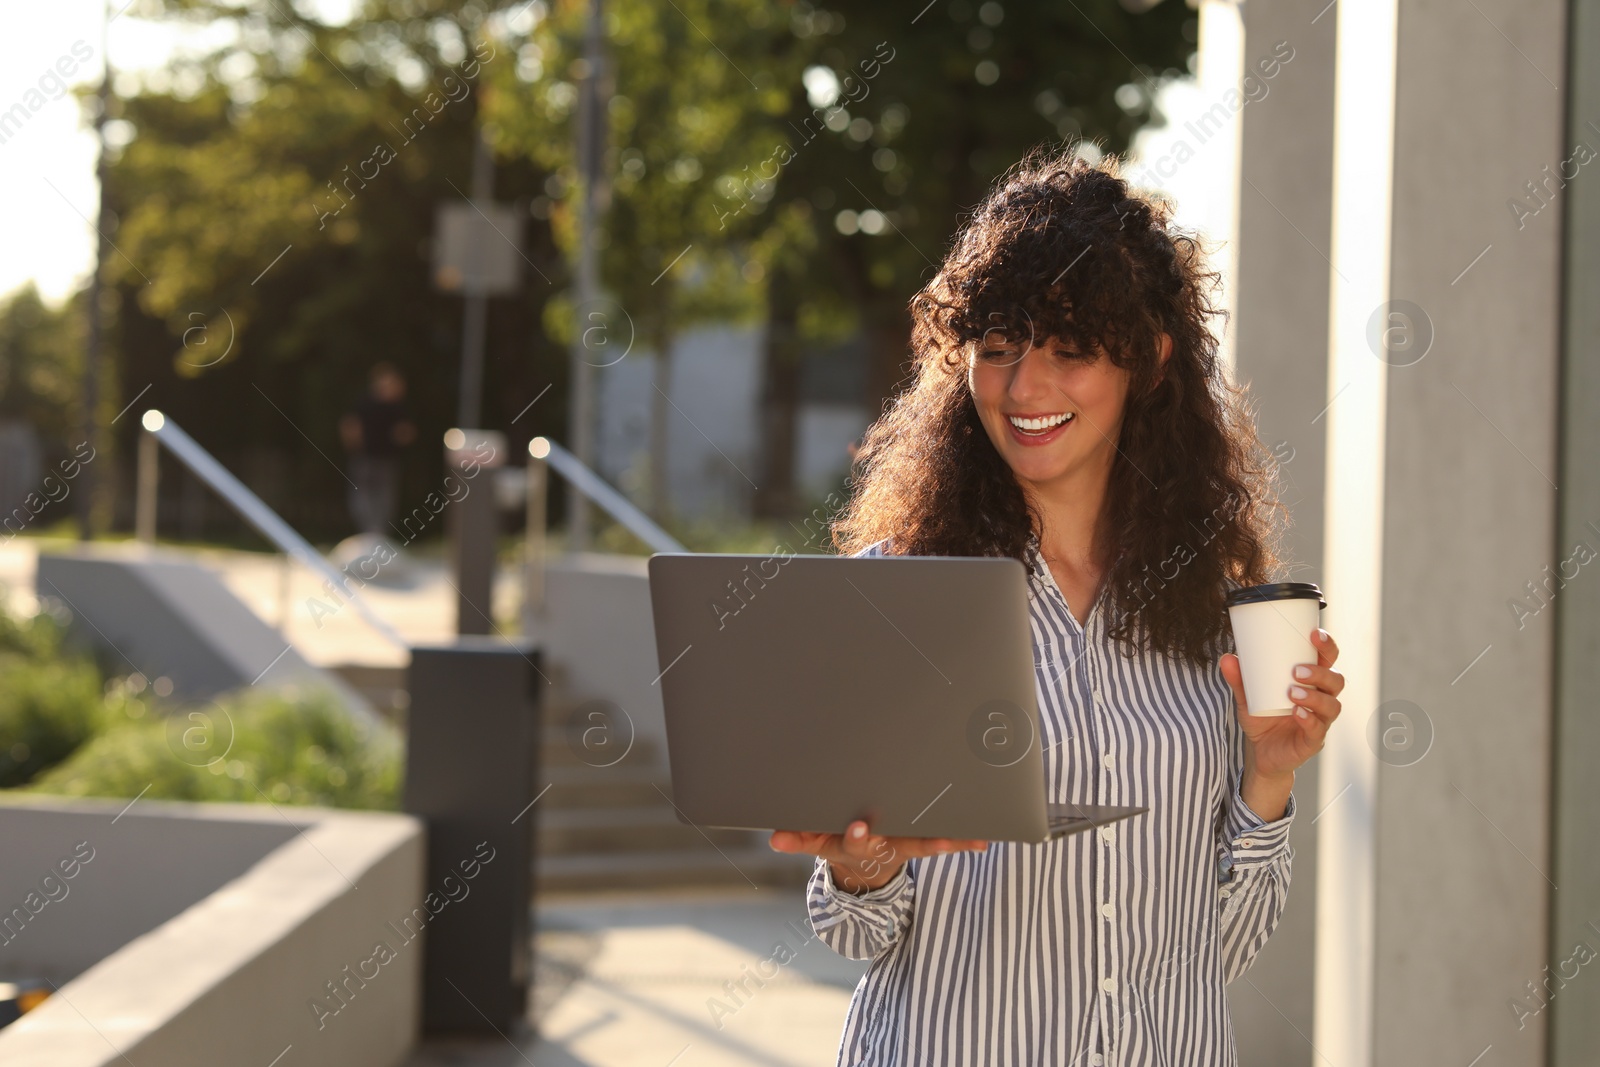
(1105, 947)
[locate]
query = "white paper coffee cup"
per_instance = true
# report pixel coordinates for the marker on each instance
(1272, 627)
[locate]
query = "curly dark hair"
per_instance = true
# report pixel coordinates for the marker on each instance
(1064, 248)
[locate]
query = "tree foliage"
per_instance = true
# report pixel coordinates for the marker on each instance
(277, 206)
(41, 364)
(791, 163)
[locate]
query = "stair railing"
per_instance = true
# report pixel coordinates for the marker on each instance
(160, 429)
(544, 453)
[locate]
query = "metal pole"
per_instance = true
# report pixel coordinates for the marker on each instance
(144, 508)
(93, 356)
(285, 574)
(474, 322)
(533, 544)
(591, 146)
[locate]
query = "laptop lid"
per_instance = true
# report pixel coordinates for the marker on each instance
(802, 692)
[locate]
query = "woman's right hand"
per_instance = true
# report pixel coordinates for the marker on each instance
(862, 861)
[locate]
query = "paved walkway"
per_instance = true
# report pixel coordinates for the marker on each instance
(654, 979)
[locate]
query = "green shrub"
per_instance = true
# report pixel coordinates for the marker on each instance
(47, 709)
(36, 636)
(50, 701)
(252, 746)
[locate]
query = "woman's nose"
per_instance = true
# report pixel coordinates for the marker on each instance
(1030, 375)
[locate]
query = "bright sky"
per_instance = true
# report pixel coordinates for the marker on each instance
(47, 188)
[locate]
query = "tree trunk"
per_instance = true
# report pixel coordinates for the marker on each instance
(660, 418)
(888, 330)
(780, 406)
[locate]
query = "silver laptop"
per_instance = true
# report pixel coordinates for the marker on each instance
(803, 692)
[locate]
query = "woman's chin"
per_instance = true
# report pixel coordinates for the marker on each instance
(1037, 469)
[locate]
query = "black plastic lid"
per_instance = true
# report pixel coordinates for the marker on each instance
(1260, 594)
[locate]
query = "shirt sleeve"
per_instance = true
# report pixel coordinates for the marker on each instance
(1253, 863)
(865, 926)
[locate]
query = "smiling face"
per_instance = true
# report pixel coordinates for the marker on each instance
(1054, 415)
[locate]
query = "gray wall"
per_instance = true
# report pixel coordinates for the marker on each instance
(1469, 505)
(599, 637)
(713, 444)
(145, 869)
(1282, 354)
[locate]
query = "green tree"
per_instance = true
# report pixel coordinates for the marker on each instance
(41, 364)
(688, 125)
(800, 164)
(832, 148)
(958, 91)
(277, 203)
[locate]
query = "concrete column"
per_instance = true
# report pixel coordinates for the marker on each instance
(1574, 593)
(1434, 859)
(1281, 302)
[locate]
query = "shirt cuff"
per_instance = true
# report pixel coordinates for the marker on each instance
(1250, 840)
(873, 899)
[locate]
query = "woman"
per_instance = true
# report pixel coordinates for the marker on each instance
(1068, 410)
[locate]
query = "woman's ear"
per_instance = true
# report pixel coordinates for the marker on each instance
(1166, 354)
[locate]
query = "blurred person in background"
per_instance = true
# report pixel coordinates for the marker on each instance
(375, 433)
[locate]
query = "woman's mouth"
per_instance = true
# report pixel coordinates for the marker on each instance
(1039, 429)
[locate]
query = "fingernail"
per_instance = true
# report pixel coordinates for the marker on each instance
(1300, 712)
(1302, 671)
(858, 831)
(1297, 693)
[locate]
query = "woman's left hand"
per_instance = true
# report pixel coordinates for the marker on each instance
(1281, 743)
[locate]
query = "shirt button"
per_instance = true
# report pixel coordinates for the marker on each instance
(1095, 1059)
(1108, 760)
(1108, 984)
(1108, 911)
(1247, 843)
(1106, 833)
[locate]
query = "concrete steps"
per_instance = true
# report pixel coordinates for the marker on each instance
(383, 687)
(604, 824)
(565, 831)
(589, 787)
(614, 826)
(675, 868)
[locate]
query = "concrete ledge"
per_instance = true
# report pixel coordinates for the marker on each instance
(232, 978)
(169, 615)
(597, 630)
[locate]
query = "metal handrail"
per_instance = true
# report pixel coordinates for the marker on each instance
(253, 509)
(595, 488)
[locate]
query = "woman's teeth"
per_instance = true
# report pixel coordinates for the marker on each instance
(1040, 425)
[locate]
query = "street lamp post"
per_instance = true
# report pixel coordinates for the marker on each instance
(94, 348)
(591, 147)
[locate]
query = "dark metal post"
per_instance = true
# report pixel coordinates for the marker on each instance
(471, 752)
(473, 520)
